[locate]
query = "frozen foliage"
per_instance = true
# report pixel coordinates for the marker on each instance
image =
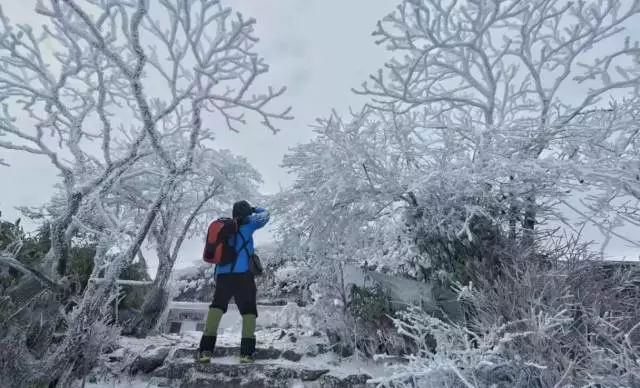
(490, 123)
(485, 120)
(612, 169)
(196, 283)
(116, 95)
(568, 322)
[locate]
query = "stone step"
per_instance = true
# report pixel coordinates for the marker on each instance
(219, 375)
(270, 353)
(177, 370)
(234, 351)
(205, 381)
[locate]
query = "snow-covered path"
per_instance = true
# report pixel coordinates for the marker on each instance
(291, 353)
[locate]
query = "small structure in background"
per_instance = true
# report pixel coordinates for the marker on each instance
(186, 316)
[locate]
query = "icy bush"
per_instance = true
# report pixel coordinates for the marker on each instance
(196, 283)
(370, 304)
(562, 320)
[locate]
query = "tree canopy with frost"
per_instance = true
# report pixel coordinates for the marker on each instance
(486, 113)
(493, 122)
(115, 93)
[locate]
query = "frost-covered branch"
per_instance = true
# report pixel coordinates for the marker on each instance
(95, 74)
(499, 95)
(117, 96)
(11, 262)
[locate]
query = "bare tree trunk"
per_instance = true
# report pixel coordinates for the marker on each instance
(155, 301)
(513, 222)
(529, 221)
(157, 298)
(55, 262)
(93, 308)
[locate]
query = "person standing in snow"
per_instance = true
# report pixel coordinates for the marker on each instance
(236, 280)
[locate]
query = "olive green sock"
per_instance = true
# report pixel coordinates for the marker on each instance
(249, 326)
(213, 321)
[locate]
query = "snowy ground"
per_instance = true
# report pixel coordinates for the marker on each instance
(281, 329)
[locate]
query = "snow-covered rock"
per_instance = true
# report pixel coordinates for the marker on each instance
(149, 360)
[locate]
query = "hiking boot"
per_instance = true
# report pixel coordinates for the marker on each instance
(247, 350)
(247, 360)
(204, 356)
(205, 351)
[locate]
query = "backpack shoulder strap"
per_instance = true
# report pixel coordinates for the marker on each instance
(245, 244)
(235, 242)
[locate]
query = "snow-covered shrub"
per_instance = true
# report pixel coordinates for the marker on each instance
(369, 309)
(354, 317)
(194, 284)
(27, 352)
(561, 321)
(287, 275)
(438, 366)
(370, 304)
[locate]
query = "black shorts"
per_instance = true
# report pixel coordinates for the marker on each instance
(240, 286)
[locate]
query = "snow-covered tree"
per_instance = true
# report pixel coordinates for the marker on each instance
(100, 89)
(466, 134)
(511, 77)
(121, 77)
(216, 181)
(609, 167)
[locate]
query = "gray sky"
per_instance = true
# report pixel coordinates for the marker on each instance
(319, 49)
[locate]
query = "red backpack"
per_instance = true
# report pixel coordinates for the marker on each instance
(218, 249)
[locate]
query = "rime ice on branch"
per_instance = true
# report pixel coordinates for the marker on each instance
(489, 111)
(111, 91)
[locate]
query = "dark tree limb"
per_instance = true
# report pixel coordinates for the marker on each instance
(9, 261)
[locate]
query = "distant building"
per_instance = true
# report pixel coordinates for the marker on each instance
(186, 316)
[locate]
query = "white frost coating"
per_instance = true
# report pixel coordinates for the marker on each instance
(292, 315)
(491, 110)
(107, 86)
(491, 115)
(113, 93)
(287, 273)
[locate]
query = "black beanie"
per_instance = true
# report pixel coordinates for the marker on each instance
(241, 209)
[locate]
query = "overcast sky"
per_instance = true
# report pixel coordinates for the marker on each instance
(319, 49)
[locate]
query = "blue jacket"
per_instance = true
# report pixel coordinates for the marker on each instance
(245, 236)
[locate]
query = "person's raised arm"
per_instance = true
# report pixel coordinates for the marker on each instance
(259, 218)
